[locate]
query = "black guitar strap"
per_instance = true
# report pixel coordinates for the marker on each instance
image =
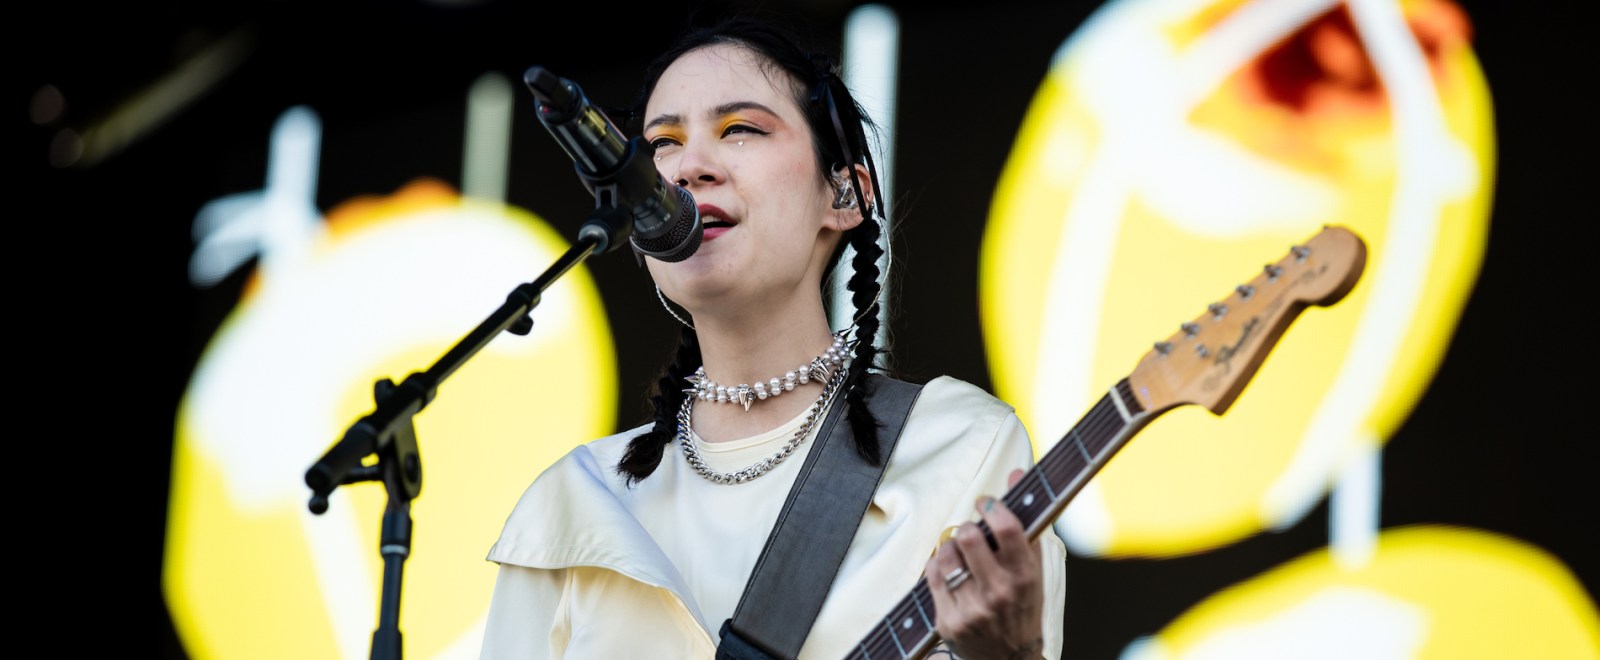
(814, 529)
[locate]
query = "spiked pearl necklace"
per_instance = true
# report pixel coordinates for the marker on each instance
(820, 369)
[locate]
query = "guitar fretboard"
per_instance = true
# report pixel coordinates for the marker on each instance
(908, 630)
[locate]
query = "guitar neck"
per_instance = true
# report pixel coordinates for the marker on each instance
(1206, 362)
(1037, 499)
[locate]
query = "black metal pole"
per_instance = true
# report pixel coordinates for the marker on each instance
(395, 548)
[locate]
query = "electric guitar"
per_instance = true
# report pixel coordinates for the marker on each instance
(1207, 363)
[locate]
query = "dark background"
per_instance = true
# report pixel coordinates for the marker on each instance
(1497, 442)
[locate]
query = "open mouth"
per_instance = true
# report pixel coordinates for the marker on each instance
(713, 227)
(713, 221)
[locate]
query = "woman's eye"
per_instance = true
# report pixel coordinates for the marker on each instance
(662, 142)
(742, 128)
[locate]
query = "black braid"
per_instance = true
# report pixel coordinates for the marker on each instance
(849, 128)
(864, 289)
(645, 450)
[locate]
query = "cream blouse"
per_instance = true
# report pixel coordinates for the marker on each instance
(592, 569)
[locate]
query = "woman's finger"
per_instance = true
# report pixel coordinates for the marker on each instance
(979, 557)
(939, 567)
(1011, 541)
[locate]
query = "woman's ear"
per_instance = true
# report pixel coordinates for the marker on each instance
(846, 204)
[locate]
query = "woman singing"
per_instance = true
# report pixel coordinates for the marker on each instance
(640, 544)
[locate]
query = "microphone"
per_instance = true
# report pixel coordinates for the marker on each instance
(665, 221)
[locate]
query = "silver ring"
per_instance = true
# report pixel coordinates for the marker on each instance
(954, 578)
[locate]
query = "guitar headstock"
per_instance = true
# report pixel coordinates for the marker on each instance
(1209, 359)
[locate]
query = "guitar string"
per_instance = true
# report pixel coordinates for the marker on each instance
(1051, 470)
(1060, 470)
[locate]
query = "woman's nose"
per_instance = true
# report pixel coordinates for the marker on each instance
(697, 163)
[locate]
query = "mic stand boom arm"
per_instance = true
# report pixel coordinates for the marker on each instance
(388, 432)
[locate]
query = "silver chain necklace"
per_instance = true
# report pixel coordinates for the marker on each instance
(764, 465)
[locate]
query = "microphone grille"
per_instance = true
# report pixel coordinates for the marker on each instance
(679, 242)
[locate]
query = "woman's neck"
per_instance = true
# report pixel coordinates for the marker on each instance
(747, 350)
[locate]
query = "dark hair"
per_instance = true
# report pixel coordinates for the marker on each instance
(839, 135)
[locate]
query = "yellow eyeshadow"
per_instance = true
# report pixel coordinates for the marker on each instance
(734, 120)
(667, 133)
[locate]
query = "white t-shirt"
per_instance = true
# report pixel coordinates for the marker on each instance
(590, 568)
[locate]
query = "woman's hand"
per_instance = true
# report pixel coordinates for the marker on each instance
(994, 601)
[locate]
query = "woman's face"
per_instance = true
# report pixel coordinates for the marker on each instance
(730, 132)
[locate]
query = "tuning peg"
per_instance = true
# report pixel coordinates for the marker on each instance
(1191, 329)
(1300, 252)
(1217, 309)
(1201, 350)
(1245, 291)
(1273, 272)
(1163, 347)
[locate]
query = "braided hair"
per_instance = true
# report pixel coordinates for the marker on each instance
(839, 132)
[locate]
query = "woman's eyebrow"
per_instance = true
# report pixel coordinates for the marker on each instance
(670, 119)
(735, 106)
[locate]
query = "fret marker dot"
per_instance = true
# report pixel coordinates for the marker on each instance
(1027, 499)
(907, 624)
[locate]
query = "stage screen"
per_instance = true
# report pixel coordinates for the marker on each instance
(312, 203)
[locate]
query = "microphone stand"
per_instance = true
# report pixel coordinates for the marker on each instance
(388, 431)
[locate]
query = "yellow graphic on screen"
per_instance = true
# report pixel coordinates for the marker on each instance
(1173, 149)
(1429, 592)
(1174, 145)
(382, 288)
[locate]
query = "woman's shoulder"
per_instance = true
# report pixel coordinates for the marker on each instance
(609, 449)
(959, 397)
(573, 512)
(591, 462)
(950, 412)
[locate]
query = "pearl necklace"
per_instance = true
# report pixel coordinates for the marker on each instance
(819, 369)
(686, 440)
